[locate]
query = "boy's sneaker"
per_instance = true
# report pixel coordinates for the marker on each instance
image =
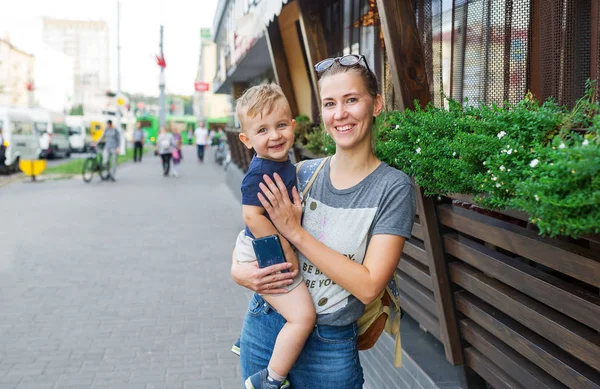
(260, 380)
(236, 347)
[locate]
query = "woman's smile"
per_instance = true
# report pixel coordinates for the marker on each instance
(345, 128)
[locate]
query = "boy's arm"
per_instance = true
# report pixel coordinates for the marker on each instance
(260, 226)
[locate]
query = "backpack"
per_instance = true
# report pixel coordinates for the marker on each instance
(378, 314)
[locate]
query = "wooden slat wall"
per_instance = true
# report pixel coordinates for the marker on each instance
(423, 261)
(530, 305)
(240, 154)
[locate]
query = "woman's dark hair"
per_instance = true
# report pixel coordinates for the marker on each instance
(368, 77)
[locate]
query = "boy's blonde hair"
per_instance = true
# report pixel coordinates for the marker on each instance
(258, 99)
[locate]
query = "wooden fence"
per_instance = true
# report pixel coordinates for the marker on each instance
(529, 306)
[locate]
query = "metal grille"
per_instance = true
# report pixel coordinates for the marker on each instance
(436, 53)
(422, 10)
(596, 47)
(565, 33)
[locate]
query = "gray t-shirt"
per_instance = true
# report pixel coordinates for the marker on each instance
(112, 138)
(344, 220)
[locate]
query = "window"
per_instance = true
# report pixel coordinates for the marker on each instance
(40, 127)
(59, 129)
(20, 128)
(75, 130)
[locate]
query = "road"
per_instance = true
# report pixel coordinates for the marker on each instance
(120, 285)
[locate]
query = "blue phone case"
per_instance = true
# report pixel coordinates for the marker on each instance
(268, 251)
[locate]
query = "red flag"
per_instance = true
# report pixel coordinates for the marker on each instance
(160, 61)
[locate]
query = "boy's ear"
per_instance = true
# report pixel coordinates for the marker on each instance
(245, 140)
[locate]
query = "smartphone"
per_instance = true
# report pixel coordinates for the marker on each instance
(268, 251)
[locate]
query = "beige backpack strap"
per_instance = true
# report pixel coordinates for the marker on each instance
(393, 327)
(313, 178)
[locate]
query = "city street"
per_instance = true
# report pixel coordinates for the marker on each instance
(120, 285)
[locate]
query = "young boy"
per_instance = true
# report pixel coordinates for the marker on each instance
(268, 127)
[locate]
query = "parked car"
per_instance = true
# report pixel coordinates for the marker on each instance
(78, 134)
(53, 134)
(18, 137)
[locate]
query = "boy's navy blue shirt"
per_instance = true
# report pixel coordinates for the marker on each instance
(254, 176)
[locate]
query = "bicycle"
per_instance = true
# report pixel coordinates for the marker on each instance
(94, 164)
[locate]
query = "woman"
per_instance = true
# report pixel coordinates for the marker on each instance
(358, 214)
(164, 145)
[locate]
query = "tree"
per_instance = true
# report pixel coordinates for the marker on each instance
(77, 110)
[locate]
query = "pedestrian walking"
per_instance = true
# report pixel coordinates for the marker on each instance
(165, 145)
(178, 142)
(201, 134)
(2, 147)
(112, 141)
(176, 161)
(349, 239)
(138, 145)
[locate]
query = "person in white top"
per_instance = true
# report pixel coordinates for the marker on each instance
(201, 134)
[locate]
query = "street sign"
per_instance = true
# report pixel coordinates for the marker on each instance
(201, 86)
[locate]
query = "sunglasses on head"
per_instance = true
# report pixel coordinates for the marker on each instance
(346, 60)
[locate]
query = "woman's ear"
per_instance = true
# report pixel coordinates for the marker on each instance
(245, 140)
(378, 106)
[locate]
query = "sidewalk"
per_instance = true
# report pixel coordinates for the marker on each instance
(121, 285)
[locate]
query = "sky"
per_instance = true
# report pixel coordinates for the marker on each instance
(140, 32)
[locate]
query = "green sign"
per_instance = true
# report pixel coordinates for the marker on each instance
(205, 33)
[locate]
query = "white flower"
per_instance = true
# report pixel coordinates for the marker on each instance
(537, 198)
(498, 185)
(419, 150)
(561, 145)
(494, 178)
(585, 142)
(534, 162)
(454, 154)
(501, 134)
(509, 151)
(508, 170)
(418, 140)
(502, 168)
(483, 163)
(397, 127)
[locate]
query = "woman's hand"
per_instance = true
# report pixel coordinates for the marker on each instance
(284, 214)
(265, 281)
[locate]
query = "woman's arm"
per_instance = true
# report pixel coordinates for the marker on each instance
(364, 281)
(268, 280)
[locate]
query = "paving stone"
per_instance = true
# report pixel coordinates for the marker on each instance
(121, 285)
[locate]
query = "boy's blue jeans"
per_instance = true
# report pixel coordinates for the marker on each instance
(329, 359)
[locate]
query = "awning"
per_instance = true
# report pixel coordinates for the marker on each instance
(268, 10)
(254, 63)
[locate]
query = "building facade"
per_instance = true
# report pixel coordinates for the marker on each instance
(212, 108)
(484, 296)
(54, 79)
(16, 76)
(88, 43)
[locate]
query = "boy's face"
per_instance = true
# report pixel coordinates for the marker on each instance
(271, 135)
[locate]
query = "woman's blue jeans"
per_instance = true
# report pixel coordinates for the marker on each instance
(329, 359)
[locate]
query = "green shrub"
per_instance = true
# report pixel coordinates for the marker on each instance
(523, 156)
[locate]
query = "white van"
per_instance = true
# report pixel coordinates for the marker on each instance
(18, 137)
(78, 134)
(53, 133)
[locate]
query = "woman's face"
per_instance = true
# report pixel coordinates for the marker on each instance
(348, 109)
